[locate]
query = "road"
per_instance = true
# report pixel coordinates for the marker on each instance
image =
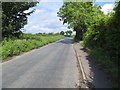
(51, 66)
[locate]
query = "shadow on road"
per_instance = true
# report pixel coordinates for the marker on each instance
(96, 76)
(67, 40)
(83, 49)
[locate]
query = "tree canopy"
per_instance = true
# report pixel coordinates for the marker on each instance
(62, 33)
(79, 16)
(14, 18)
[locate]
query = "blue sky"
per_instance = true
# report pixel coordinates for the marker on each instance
(45, 19)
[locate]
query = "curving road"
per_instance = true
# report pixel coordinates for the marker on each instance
(51, 66)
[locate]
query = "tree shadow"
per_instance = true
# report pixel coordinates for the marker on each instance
(96, 78)
(83, 49)
(67, 40)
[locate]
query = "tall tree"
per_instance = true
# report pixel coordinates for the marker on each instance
(78, 15)
(14, 18)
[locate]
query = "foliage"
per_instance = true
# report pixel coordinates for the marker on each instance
(68, 32)
(62, 33)
(94, 37)
(26, 42)
(100, 33)
(82, 43)
(14, 18)
(103, 39)
(78, 16)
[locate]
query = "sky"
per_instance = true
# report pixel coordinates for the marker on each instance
(45, 20)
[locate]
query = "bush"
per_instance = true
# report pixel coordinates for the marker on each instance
(102, 38)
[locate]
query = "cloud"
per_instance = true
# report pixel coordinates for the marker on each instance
(107, 8)
(29, 10)
(45, 19)
(37, 11)
(37, 29)
(51, 0)
(104, 1)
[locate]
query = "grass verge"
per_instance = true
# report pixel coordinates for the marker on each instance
(11, 47)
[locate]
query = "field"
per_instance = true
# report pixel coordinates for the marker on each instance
(15, 46)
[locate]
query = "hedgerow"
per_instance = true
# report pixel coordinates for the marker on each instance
(99, 33)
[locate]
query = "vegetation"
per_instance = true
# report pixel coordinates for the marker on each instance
(67, 33)
(14, 41)
(14, 18)
(62, 33)
(78, 16)
(99, 33)
(26, 42)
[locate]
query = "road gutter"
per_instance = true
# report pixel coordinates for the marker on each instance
(82, 75)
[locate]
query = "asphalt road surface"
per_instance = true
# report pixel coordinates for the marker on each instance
(51, 66)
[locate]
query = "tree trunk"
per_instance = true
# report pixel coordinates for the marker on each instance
(79, 35)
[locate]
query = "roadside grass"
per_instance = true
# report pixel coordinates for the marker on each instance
(26, 42)
(104, 62)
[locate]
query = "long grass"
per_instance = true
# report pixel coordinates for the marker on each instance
(26, 42)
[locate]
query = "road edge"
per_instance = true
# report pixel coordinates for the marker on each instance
(24, 53)
(82, 75)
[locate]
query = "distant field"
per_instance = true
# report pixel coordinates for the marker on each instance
(24, 43)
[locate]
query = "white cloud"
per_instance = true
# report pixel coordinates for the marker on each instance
(37, 29)
(34, 27)
(51, 0)
(107, 8)
(29, 10)
(45, 19)
(104, 0)
(37, 11)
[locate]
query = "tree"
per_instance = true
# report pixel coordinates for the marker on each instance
(100, 33)
(14, 18)
(102, 38)
(78, 16)
(66, 32)
(70, 32)
(62, 33)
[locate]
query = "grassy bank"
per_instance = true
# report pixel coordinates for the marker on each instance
(104, 62)
(24, 43)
